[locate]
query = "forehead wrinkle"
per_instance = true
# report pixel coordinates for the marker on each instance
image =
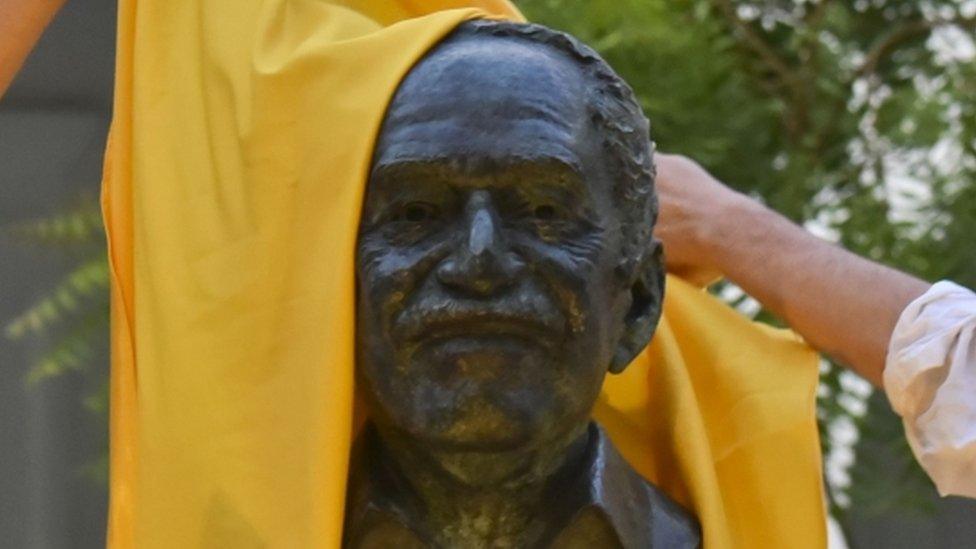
(443, 139)
(485, 112)
(477, 166)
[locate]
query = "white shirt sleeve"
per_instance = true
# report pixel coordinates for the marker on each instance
(930, 379)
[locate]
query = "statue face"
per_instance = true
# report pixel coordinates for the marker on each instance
(489, 306)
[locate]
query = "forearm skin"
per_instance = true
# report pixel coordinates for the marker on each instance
(842, 304)
(21, 25)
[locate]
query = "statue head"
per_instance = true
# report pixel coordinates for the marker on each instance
(505, 260)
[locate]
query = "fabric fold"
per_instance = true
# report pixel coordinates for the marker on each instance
(241, 139)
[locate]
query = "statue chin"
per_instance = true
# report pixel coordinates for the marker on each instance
(476, 395)
(484, 358)
(478, 469)
(478, 423)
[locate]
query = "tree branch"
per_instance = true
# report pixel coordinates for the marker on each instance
(890, 42)
(816, 15)
(796, 95)
(882, 48)
(770, 58)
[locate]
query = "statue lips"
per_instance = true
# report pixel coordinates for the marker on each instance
(523, 317)
(488, 328)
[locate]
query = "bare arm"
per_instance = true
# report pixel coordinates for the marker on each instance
(21, 24)
(844, 305)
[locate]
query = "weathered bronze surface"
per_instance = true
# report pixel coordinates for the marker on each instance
(505, 264)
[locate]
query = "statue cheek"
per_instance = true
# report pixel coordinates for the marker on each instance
(559, 280)
(390, 276)
(587, 295)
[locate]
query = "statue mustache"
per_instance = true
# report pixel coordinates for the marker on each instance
(530, 316)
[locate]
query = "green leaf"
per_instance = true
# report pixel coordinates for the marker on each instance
(86, 280)
(80, 225)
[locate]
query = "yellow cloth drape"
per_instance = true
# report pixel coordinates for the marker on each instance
(236, 164)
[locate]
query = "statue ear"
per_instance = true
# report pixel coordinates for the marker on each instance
(647, 296)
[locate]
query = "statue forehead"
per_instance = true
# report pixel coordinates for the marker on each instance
(484, 68)
(484, 94)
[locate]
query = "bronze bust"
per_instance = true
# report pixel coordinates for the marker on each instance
(505, 263)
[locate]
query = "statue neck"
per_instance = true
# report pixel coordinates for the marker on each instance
(478, 497)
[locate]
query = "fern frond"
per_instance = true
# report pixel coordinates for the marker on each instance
(79, 225)
(96, 470)
(89, 278)
(71, 352)
(97, 402)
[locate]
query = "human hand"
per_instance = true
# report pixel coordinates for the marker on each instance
(694, 210)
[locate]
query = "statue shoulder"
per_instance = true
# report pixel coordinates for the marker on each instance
(642, 514)
(671, 524)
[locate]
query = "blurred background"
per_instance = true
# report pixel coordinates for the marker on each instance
(856, 119)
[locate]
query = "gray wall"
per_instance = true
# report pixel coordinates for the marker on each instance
(52, 130)
(53, 123)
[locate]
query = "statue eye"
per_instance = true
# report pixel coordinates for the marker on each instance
(419, 212)
(544, 212)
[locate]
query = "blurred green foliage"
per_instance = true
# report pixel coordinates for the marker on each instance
(855, 118)
(73, 315)
(76, 308)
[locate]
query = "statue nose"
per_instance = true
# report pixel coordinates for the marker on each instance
(481, 264)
